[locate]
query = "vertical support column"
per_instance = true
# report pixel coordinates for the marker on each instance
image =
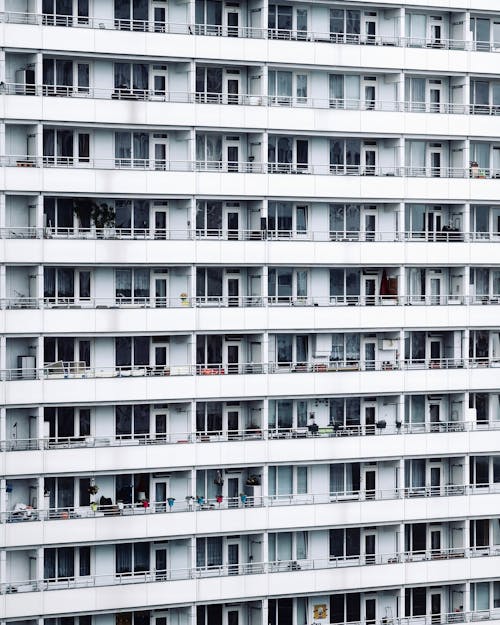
(401, 541)
(192, 363)
(265, 611)
(465, 344)
(466, 225)
(191, 221)
(466, 472)
(3, 77)
(466, 597)
(39, 285)
(3, 214)
(191, 18)
(466, 155)
(264, 285)
(3, 286)
(192, 421)
(265, 352)
(38, 68)
(264, 480)
(265, 418)
(38, 144)
(191, 156)
(38, 221)
(39, 564)
(466, 93)
(39, 354)
(402, 286)
(3, 502)
(40, 496)
(401, 350)
(402, 24)
(401, 602)
(192, 66)
(264, 85)
(3, 426)
(3, 565)
(263, 154)
(401, 484)
(39, 427)
(401, 222)
(2, 139)
(466, 538)
(401, 91)
(401, 157)
(3, 354)
(466, 284)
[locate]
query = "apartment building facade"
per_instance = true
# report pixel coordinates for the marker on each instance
(250, 295)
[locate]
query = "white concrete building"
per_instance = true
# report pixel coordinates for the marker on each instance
(250, 312)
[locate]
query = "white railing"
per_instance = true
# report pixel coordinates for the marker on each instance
(198, 503)
(79, 370)
(244, 568)
(244, 31)
(246, 301)
(332, 430)
(445, 235)
(151, 164)
(244, 99)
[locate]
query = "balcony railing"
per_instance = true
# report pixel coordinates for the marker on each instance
(247, 167)
(332, 430)
(153, 26)
(200, 504)
(244, 568)
(79, 370)
(446, 235)
(244, 99)
(246, 301)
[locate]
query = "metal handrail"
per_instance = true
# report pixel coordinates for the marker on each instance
(242, 234)
(248, 167)
(245, 99)
(79, 370)
(244, 31)
(200, 504)
(245, 301)
(331, 430)
(244, 568)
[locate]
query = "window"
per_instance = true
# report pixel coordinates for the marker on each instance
(345, 25)
(209, 284)
(345, 285)
(131, 14)
(62, 491)
(208, 84)
(286, 219)
(209, 151)
(58, 214)
(58, 283)
(345, 347)
(209, 551)
(132, 558)
(286, 154)
(208, 218)
(131, 78)
(288, 480)
(131, 216)
(131, 351)
(345, 411)
(209, 350)
(345, 608)
(345, 156)
(344, 478)
(59, 563)
(287, 87)
(344, 543)
(58, 348)
(286, 546)
(132, 421)
(285, 414)
(480, 401)
(209, 614)
(132, 286)
(131, 149)
(415, 601)
(345, 221)
(292, 349)
(209, 416)
(58, 146)
(284, 284)
(345, 91)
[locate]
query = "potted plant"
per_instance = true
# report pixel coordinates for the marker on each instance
(93, 489)
(253, 480)
(102, 216)
(184, 299)
(170, 501)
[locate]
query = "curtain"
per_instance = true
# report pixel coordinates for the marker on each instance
(141, 419)
(301, 413)
(271, 547)
(141, 557)
(417, 473)
(284, 541)
(49, 282)
(123, 217)
(48, 142)
(140, 76)
(301, 283)
(284, 344)
(65, 492)
(122, 75)
(352, 87)
(353, 281)
(123, 145)
(416, 26)
(418, 409)
(271, 481)
(285, 413)
(284, 84)
(123, 420)
(301, 480)
(65, 562)
(141, 283)
(48, 71)
(336, 86)
(123, 283)
(123, 558)
(141, 148)
(301, 86)
(284, 475)
(65, 282)
(417, 154)
(64, 73)
(417, 93)
(49, 563)
(352, 411)
(123, 351)
(214, 79)
(302, 347)
(352, 346)
(141, 214)
(337, 478)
